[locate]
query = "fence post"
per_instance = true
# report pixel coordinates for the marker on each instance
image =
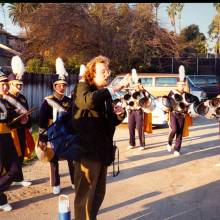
(172, 64)
(197, 68)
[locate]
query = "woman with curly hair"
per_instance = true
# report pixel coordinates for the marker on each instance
(94, 120)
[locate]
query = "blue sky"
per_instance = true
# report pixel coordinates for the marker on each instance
(192, 13)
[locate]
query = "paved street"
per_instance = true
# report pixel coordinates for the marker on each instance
(152, 184)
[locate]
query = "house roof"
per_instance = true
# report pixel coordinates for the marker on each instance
(9, 50)
(2, 31)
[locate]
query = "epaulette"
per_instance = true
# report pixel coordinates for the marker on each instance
(49, 97)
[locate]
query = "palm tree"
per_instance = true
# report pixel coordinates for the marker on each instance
(156, 6)
(172, 15)
(179, 8)
(217, 7)
(217, 21)
(19, 13)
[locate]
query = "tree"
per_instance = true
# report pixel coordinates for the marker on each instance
(127, 34)
(191, 40)
(61, 29)
(214, 27)
(156, 6)
(217, 7)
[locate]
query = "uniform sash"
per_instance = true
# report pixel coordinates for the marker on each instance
(14, 102)
(29, 141)
(55, 106)
(148, 122)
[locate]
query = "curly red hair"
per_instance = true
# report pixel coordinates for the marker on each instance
(90, 68)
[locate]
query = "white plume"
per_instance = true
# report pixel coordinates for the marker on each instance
(181, 73)
(134, 76)
(17, 67)
(82, 70)
(60, 69)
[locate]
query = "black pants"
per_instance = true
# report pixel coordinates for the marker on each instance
(9, 163)
(54, 171)
(21, 137)
(177, 124)
(136, 120)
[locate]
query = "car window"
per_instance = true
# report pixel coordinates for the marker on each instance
(212, 80)
(199, 81)
(204, 80)
(146, 81)
(165, 81)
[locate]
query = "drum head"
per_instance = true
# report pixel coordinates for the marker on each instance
(202, 109)
(217, 111)
(136, 95)
(215, 102)
(189, 98)
(178, 97)
(144, 102)
(127, 97)
(44, 156)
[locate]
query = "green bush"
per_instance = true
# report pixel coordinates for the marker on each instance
(33, 65)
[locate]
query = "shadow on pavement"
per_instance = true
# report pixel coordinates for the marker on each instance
(130, 201)
(199, 203)
(173, 161)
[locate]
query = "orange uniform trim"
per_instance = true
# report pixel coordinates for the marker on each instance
(4, 128)
(16, 141)
(188, 122)
(148, 123)
(30, 144)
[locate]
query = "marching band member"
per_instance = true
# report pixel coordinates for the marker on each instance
(22, 134)
(178, 120)
(137, 117)
(52, 107)
(9, 165)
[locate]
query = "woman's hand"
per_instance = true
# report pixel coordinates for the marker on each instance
(125, 82)
(118, 109)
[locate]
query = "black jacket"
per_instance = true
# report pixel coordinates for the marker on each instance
(94, 121)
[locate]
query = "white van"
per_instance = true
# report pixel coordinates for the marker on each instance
(159, 84)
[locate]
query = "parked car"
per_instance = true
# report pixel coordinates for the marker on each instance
(209, 83)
